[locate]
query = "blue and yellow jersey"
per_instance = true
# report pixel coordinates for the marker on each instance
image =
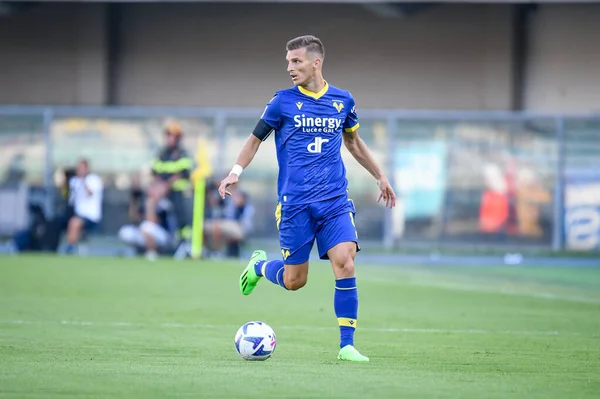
(308, 136)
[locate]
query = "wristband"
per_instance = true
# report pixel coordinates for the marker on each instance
(237, 170)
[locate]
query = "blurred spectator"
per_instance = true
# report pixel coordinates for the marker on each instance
(171, 171)
(65, 188)
(149, 236)
(31, 238)
(228, 222)
(530, 196)
(493, 212)
(85, 196)
(16, 169)
(54, 228)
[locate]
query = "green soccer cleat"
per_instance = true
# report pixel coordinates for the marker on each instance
(249, 278)
(350, 353)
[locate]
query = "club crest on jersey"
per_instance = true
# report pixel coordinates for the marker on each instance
(338, 105)
(299, 104)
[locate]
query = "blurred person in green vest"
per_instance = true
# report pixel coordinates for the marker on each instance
(171, 171)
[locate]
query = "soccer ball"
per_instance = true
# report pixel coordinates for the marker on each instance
(255, 340)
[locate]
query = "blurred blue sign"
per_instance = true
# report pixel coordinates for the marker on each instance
(420, 170)
(582, 211)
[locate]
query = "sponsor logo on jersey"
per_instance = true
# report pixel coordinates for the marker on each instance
(316, 146)
(310, 124)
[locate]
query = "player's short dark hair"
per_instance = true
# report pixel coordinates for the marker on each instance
(309, 42)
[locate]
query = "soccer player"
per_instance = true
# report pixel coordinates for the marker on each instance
(311, 120)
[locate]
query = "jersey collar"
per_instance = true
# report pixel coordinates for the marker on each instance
(312, 94)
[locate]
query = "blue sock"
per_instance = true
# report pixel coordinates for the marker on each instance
(272, 270)
(70, 248)
(345, 303)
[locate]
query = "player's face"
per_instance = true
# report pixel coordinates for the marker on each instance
(301, 66)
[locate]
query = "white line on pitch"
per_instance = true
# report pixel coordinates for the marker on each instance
(506, 291)
(286, 327)
(424, 279)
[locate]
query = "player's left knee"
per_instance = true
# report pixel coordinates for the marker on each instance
(345, 265)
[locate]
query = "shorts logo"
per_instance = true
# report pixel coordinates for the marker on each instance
(285, 253)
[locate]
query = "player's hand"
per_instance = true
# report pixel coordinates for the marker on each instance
(227, 182)
(387, 192)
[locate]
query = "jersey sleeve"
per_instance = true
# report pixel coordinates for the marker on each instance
(270, 119)
(272, 112)
(351, 122)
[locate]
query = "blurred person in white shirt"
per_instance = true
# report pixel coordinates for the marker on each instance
(228, 222)
(150, 235)
(86, 198)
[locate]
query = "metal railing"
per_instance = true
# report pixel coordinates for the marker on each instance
(481, 178)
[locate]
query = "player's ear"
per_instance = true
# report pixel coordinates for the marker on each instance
(317, 63)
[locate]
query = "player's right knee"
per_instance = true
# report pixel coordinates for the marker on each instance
(294, 281)
(294, 284)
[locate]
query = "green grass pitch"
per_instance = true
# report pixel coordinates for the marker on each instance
(125, 328)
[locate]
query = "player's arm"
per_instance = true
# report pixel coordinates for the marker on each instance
(248, 151)
(268, 122)
(246, 155)
(359, 150)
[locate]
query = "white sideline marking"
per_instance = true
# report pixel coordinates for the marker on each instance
(429, 280)
(506, 291)
(216, 326)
